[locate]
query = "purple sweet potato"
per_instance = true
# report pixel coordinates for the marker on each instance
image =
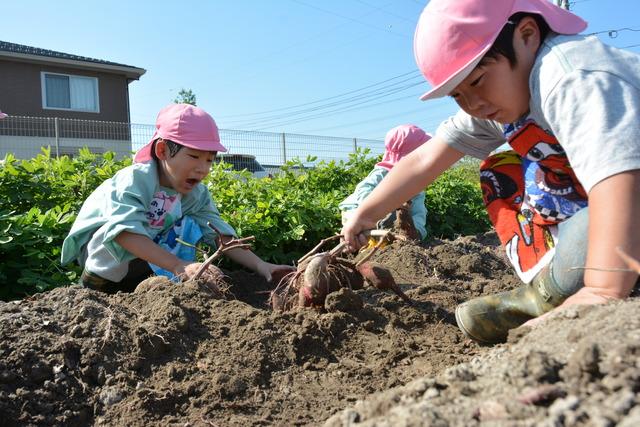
(381, 278)
(315, 282)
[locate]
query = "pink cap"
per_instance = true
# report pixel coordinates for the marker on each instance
(2, 115)
(452, 36)
(186, 125)
(400, 141)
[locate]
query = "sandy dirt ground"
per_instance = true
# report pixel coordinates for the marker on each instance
(173, 355)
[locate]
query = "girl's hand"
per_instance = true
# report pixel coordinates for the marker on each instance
(186, 269)
(268, 270)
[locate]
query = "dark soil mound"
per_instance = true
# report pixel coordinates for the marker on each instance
(174, 355)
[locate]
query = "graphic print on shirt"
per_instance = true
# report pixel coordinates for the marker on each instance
(528, 191)
(552, 188)
(163, 210)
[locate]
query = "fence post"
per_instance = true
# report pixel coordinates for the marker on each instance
(355, 145)
(55, 125)
(284, 148)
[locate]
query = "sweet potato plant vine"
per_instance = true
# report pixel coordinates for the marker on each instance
(39, 199)
(288, 214)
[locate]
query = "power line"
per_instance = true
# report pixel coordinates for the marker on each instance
(404, 113)
(328, 113)
(386, 30)
(350, 102)
(375, 119)
(340, 110)
(614, 33)
(253, 60)
(413, 21)
(415, 72)
(630, 46)
(386, 90)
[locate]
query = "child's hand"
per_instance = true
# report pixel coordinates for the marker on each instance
(186, 269)
(352, 232)
(585, 296)
(268, 270)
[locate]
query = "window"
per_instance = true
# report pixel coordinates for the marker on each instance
(67, 92)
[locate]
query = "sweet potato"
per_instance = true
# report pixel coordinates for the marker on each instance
(315, 282)
(404, 222)
(213, 281)
(381, 278)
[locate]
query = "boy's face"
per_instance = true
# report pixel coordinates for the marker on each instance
(186, 169)
(496, 90)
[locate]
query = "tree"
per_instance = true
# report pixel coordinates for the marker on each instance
(185, 96)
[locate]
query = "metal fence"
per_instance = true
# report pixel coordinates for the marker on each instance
(25, 136)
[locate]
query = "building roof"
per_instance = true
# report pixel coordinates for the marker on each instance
(36, 54)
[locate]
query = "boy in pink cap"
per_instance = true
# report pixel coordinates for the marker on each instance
(566, 195)
(399, 141)
(130, 226)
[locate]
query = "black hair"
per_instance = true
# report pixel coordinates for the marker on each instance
(504, 42)
(173, 147)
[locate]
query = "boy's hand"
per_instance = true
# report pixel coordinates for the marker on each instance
(585, 296)
(267, 270)
(352, 232)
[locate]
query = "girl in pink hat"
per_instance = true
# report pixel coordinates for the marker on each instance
(399, 141)
(129, 228)
(565, 197)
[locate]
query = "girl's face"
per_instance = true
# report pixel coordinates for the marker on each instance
(496, 90)
(186, 169)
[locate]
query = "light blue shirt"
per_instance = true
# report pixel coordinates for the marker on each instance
(366, 186)
(128, 202)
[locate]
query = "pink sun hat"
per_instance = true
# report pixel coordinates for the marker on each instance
(2, 115)
(186, 125)
(452, 36)
(400, 141)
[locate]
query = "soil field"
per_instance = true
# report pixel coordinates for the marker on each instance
(174, 355)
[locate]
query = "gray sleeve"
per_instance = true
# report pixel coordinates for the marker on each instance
(595, 116)
(474, 137)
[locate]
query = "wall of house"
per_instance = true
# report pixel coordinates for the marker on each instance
(20, 86)
(24, 147)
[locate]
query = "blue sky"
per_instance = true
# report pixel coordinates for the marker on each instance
(332, 67)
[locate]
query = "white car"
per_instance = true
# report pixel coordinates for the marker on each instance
(240, 162)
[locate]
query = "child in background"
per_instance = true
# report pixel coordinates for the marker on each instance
(127, 229)
(398, 142)
(569, 107)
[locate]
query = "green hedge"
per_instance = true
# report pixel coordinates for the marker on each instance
(288, 214)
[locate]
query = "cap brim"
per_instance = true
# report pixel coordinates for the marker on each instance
(204, 145)
(144, 154)
(559, 20)
(446, 87)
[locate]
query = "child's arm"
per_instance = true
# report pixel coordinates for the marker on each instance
(144, 248)
(247, 258)
(407, 178)
(614, 220)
